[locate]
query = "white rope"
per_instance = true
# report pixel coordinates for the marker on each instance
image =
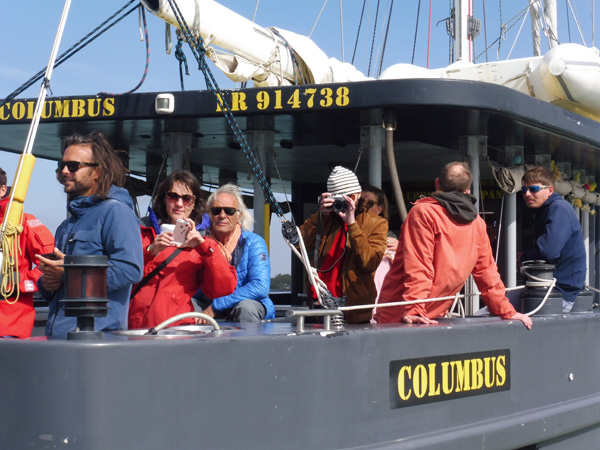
(538, 282)
(576, 22)
(313, 277)
(408, 302)
(451, 310)
(318, 17)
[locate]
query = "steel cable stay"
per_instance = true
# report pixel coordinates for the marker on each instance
(77, 47)
(504, 28)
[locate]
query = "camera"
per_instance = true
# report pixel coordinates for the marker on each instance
(339, 204)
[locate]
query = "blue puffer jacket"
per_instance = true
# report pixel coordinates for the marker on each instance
(559, 241)
(253, 274)
(100, 227)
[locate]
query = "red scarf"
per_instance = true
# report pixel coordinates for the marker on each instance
(330, 271)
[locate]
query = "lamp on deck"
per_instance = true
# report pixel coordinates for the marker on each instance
(86, 293)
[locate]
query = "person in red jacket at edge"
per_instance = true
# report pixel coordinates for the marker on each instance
(16, 312)
(443, 241)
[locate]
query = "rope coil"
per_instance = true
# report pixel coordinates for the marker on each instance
(10, 263)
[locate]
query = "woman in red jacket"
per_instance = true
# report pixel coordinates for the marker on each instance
(166, 292)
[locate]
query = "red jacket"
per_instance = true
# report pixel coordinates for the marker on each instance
(435, 256)
(169, 292)
(16, 318)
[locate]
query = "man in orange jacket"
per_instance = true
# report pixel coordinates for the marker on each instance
(443, 241)
(16, 312)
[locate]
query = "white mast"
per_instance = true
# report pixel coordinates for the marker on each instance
(463, 44)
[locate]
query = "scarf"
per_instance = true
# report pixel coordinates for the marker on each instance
(230, 244)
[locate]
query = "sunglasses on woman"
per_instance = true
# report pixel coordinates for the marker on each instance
(186, 198)
(216, 210)
(73, 166)
(534, 189)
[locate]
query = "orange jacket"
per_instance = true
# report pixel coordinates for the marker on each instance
(435, 256)
(16, 319)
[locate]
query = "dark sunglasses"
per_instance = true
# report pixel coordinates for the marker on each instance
(533, 189)
(216, 210)
(371, 203)
(73, 166)
(186, 198)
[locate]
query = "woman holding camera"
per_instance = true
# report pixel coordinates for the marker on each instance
(174, 269)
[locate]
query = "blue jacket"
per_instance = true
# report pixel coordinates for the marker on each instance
(100, 227)
(251, 260)
(559, 241)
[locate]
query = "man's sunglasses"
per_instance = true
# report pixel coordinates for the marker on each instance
(534, 189)
(186, 198)
(216, 210)
(73, 166)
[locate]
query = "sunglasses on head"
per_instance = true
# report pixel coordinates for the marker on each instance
(73, 166)
(216, 210)
(186, 198)
(534, 189)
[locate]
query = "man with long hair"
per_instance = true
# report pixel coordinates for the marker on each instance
(102, 222)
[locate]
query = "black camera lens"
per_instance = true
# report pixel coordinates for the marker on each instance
(339, 205)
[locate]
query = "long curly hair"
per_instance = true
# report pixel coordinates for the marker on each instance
(111, 168)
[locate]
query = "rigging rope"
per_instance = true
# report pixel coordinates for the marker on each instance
(295, 63)
(387, 30)
(196, 43)
(145, 37)
(77, 47)
(374, 34)
(358, 31)
(342, 30)
(505, 28)
(180, 56)
(412, 61)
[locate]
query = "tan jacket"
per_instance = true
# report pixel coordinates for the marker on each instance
(365, 246)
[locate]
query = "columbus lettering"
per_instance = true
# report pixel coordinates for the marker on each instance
(72, 108)
(446, 377)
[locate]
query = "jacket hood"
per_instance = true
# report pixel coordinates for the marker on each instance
(79, 205)
(459, 205)
(555, 196)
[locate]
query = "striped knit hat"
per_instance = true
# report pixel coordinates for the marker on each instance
(343, 181)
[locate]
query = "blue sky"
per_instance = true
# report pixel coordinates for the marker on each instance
(115, 62)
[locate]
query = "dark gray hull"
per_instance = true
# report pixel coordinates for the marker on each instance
(267, 387)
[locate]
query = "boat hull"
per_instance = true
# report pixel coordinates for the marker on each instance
(266, 386)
